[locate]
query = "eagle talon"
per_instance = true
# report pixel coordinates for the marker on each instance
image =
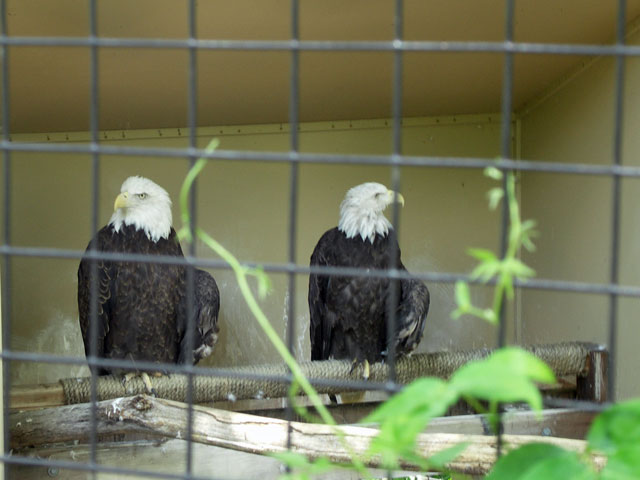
(126, 378)
(147, 384)
(354, 364)
(146, 380)
(366, 370)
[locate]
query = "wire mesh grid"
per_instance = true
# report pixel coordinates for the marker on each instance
(294, 158)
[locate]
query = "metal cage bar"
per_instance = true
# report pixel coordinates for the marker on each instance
(506, 152)
(616, 200)
(616, 170)
(294, 141)
(5, 273)
(396, 150)
(527, 48)
(536, 284)
(94, 113)
(192, 122)
(327, 158)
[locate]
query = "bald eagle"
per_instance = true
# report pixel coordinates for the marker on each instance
(349, 314)
(142, 307)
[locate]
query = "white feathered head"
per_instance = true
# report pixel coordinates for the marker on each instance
(361, 211)
(145, 205)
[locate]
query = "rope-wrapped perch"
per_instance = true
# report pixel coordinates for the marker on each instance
(563, 358)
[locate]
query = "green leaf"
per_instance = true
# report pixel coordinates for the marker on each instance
(264, 282)
(405, 415)
(423, 396)
(493, 172)
(528, 244)
(508, 375)
(520, 362)
(495, 195)
(463, 295)
(507, 281)
(540, 461)
(518, 269)
(302, 468)
(623, 465)
(486, 270)
(528, 232)
(292, 459)
(489, 264)
(457, 313)
(489, 315)
(440, 459)
(616, 428)
(482, 254)
(463, 300)
(529, 226)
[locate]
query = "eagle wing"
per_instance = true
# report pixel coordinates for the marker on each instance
(205, 309)
(320, 329)
(103, 286)
(412, 314)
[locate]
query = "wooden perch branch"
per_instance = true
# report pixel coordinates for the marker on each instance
(248, 433)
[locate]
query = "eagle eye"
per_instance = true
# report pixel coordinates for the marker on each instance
(141, 196)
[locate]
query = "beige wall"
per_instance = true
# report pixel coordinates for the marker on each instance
(575, 125)
(245, 206)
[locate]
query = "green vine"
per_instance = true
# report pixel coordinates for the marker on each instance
(506, 269)
(242, 272)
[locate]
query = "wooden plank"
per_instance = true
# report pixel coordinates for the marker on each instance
(265, 404)
(169, 457)
(563, 423)
(249, 433)
(352, 407)
(26, 397)
(593, 385)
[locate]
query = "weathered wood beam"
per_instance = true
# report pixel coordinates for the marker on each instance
(24, 397)
(562, 423)
(247, 433)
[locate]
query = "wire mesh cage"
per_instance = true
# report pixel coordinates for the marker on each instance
(287, 158)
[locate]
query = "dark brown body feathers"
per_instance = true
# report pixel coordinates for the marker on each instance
(141, 306)
(349, 314)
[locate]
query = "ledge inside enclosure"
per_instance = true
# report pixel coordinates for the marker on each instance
(156, 427)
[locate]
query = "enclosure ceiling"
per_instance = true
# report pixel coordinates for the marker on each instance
(147, 88)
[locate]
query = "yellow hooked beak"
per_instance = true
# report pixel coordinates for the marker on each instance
(395, 196)
(122, 201)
